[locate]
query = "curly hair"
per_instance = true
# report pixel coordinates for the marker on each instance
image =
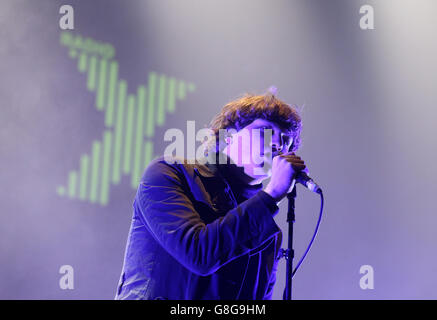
(244, 110)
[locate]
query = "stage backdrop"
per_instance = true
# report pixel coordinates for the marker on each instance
(84, 110)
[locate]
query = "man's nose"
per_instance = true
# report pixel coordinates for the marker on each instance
(277, 144)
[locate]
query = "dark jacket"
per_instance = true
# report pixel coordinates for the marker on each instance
(191, 239)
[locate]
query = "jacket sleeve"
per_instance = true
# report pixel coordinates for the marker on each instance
(269, 292)
(203, 248)
(271, 285)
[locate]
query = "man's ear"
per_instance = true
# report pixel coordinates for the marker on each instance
(229, 134)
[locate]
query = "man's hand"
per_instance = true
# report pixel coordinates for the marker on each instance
(284, 168)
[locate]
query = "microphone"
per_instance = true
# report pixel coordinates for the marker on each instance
(302, 178)
(307, 182)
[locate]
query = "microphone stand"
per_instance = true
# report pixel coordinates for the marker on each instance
(289, 253)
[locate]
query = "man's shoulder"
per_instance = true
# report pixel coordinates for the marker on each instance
(172, 164)
(170, 161)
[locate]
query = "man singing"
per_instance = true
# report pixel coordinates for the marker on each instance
(205, 229)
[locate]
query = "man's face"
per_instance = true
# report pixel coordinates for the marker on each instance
(254, 146)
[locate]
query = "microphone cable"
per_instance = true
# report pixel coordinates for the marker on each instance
(314, 235)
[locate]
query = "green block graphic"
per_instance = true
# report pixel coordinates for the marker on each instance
(116, 173)
(84, 164)
(130, 119)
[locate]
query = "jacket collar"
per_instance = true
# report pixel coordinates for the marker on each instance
(208, 169)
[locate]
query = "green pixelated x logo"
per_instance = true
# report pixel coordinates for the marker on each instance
(130, 118)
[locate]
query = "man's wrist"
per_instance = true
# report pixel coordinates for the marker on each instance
(270, 202)
(272, 194)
